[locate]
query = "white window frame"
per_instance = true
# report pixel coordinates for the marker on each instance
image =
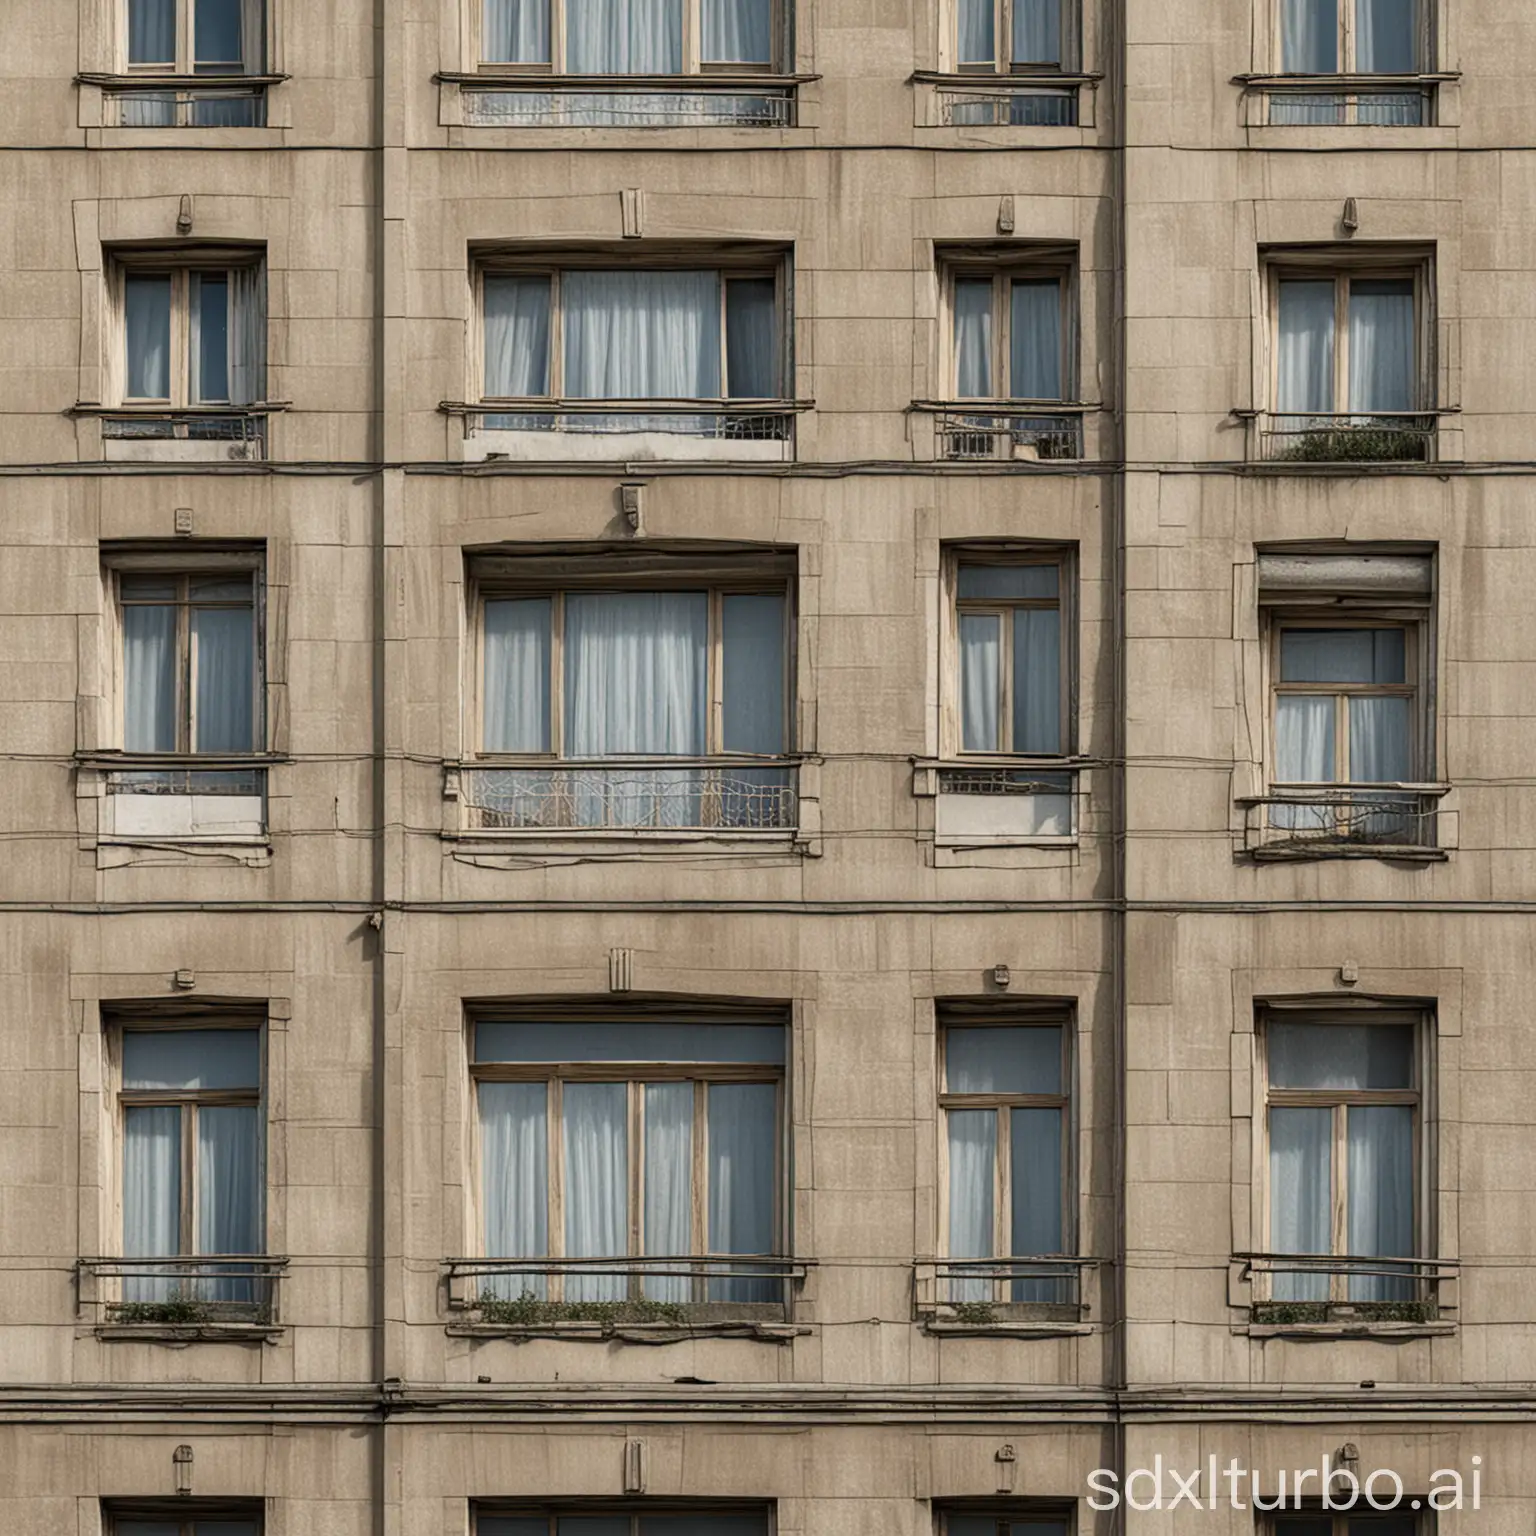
(185, 62)
(1063, 272)
(1002, 37)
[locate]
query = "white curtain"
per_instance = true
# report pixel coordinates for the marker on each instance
(1037, 32)
(223, 642)
(152, 32)
(752, 664)
(516, 336)
(1036, 680)
(1304, 746)
(1300, 1194)
(229, 1194)
(149, 678)
(514, 1153)
(515, 32)
(972, 1169)
(737, 31)
(147, 322)
(1381, 362)
(517, 636)
(641, 335)
(147, 109)
(1386, 37)
(668, 1214)
(624, 37)
(977, 37)
(1380, 1215)
(1340, 1056)
(980, 666)
(973, 336)
(1037, 1175)
(253, 37)
(1305, 380)
(1035, 341)
(151, 1195)
(1309, 37)
(248, 336)
(751, 339)
(596, 1189)
(742, 1119)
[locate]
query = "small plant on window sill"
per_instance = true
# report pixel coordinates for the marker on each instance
(1367, 445)
(529, 1311)
(973, 1312)
(182, 1311)
(1288, 1313)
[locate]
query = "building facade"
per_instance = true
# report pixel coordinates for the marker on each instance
(762, 766)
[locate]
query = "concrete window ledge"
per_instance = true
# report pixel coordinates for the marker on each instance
(631, 1333)
(1044, 1329)
(1386, 1333)
(178, 1336)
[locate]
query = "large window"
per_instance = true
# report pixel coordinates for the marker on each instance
(1010, 335)
(1012, 36)
(631, 37)
(628, 334)
(1005, 1101)
(188, 40)
(192, 1161)
(631, 1160)
(1366, 37)
(1344, 1137)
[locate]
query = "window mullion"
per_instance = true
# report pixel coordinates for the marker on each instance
(1002, 1224)
(1002, 52)
(714, 740)
(186, 43)
(1006, 725)
(186, 678)
(636, 1192)
(1338, 1286)
(557, 37)
(556, 318)
(1341, 400)
(188, 1216)
(698, 1215)
(1002, 342)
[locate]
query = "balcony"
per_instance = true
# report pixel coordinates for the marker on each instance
(1020, 432)
(1346, 821)
(1000, 802)
(623, 103)
(632, 795)
(1338, 1293)
(612, 1298)
(965, 1295)
(221, 434)
(1384, 437)
(143, 799)
(227, 1296)
(630, 431)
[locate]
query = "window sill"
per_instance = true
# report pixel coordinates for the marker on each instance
(1387, 1333)
(180, 1335)
(1342, 82)
(632, 1333)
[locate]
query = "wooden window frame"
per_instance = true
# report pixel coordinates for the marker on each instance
(1423, 40)
(185, 62)
(1003, 1104)
(1063, 272)
(187, 1099)
(1064, 560)
(1416, 270)
(635, 1075)
(774, 269)
(485, 591)
(1003, 62)
(1340, 1100)
(186, 651)
(694, 65)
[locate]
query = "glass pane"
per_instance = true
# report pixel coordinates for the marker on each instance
(516, 336)
(216, 36)
(980, 665)
(1006, 1059)
(751, 339)
(229, 589)
(229, 1188)
(151, 1195)
(517, 1525)
(146, 1528)
(1342, 656)
(742, 1132)
(1036, 680)
(1004, 581)
(1300, 1195)
(517, 647)
(1036, 1172)
(641, 335)
(753, 1043)
(147, 325)
(1306, 1527)
(753, 666)
(977, 34)
(1380, 748)
(152, 32)
(1309, 37)
(1381, 346)
(1035, 341)
(515, 32)
(973, 334)
(1037, 32)
(623, 37)
(191, 1058)
(210, 332)
(224, 1528)
(1304, 739)
(972, 1171)
(668, 1213)
(1380, 1205)
(593, 1525)
(1351, 1056)
(1305, 362)
(1386, 37)
(514, 1159)
(737, 31)
(224, 659)
(748, 1523)
(149, 678)
(596, 1147)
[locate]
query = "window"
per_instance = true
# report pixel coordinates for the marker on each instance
(630, 670)
(192, 1162)
(1351, 376)
(193, 335)
(687, 1521)
(631, 37)
(1006, 1521)
(1012, 36)
(1349, 37)
(213, 39)
(625, 1156)
(629, 334)
(1318, 1522)
(1005, 1098)
(178, 1521)
(1344, 1151)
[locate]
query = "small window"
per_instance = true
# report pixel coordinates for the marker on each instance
(648, 37)
(1013, 36)
(631, 1161)
(1010, 335)
(192, 336)
(1004, 1103)
(1345, 1154)
(191, 664)
(192, 1168)
(629, 334)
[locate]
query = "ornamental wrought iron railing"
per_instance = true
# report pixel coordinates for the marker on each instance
(725, 423)
(1330, 1287)
(1025, 432)
(248, 429)
(1342, 818)
(181, 1290)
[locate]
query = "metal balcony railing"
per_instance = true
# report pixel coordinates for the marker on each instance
(675, 794)
(1377, 437)
(1342, 819)
(617, 106)
(722, 422)
(1022, 432)
(1333, 1288)
(181, 1291)
(987, 1290)
(244, 430)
